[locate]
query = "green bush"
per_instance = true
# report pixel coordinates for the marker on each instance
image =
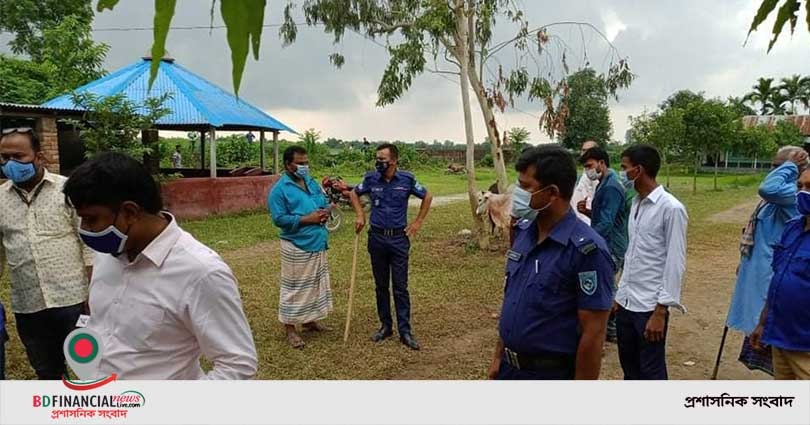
(486, 161)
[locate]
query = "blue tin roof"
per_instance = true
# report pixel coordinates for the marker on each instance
(194, 102)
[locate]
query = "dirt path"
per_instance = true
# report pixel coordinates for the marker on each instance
(439, 201)
(736, 215)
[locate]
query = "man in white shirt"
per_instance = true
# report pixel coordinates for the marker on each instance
(585, 188)
(39, 239)
(653, 267)
(159, 299)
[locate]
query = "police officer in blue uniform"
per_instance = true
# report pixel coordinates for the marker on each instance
(389, 237)
(559, 275)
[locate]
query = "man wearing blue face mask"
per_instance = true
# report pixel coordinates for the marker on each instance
(48, 264)
(784, 323)
(159, 299)
(389, 241)
(559, 278)
(300, 209)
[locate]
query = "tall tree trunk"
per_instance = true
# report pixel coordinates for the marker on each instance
(666, 161)
(496, 146)
(464, 62)
(716, 167)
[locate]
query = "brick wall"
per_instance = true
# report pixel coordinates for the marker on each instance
(49, 139)
(192, 198)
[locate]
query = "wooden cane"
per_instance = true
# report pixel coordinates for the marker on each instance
(719, 354)
(351, 287)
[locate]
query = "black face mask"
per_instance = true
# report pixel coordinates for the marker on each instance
(382, 166)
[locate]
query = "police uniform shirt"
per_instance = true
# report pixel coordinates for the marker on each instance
(787, 324)
(547, 283)
(389, 200)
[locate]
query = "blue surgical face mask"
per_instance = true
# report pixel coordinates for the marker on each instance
(108, 241)
(626, 182)
(302, 171)
(521, 204)
(381, 166)
(19, 172)
(803, 200)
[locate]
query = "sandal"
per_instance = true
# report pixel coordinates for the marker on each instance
(295, 340)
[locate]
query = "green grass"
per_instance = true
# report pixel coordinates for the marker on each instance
(455, 290)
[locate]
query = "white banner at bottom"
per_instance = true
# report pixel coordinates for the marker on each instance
(404, 402)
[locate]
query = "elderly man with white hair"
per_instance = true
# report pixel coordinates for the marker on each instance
(776, 207)
(585, 188)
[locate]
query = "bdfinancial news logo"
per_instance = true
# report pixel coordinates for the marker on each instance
(83, 353)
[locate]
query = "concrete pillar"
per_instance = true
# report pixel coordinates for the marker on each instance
(213, 153)
(49, 141)
(275, 152)
(202, 150)
(261, 150)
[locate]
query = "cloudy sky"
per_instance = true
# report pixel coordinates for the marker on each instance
(671, 45)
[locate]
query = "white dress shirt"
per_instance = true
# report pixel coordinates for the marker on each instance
(585, 189)
(158, 314)
(656, 253)
(40, 240)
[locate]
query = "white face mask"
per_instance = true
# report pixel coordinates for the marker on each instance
(592, 174)
(521, 203)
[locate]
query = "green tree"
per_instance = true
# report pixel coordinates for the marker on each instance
(780, 104)
(23, 81)
(681, 99)
(61, 52)
(794, 88)
(518, 137)
(588, 114)
(28, 20)
(668, 135)
(75, 57)
(762, 95)
(756, 142)
(710, 128)
(114, 123)
(787, 134)
(738, 104)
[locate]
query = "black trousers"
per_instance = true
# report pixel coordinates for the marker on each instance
(507, 372)
(43, 334)
(389, 264)
(640, 359)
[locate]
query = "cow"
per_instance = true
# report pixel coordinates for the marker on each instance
(496, 210)
(455, 168)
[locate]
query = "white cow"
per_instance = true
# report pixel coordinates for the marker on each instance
(496, 210)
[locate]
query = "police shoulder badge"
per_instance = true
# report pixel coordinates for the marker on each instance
(587, 282)
(418, 186)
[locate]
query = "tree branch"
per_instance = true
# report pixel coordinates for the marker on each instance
(503, 44)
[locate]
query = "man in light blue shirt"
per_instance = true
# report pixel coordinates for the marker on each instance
(777, 206)
(300, 209)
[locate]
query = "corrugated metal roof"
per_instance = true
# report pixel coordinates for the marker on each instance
(36, 109)
(195, 101)
(800, 121)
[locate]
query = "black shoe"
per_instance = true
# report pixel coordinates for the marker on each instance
(382, 334)
(409, 341)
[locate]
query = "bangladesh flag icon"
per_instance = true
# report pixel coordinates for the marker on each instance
(82, 349)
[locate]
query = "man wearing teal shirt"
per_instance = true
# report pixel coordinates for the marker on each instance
(299, 208)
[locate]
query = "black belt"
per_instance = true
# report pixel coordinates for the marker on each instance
(539, 362)
(399, 231)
